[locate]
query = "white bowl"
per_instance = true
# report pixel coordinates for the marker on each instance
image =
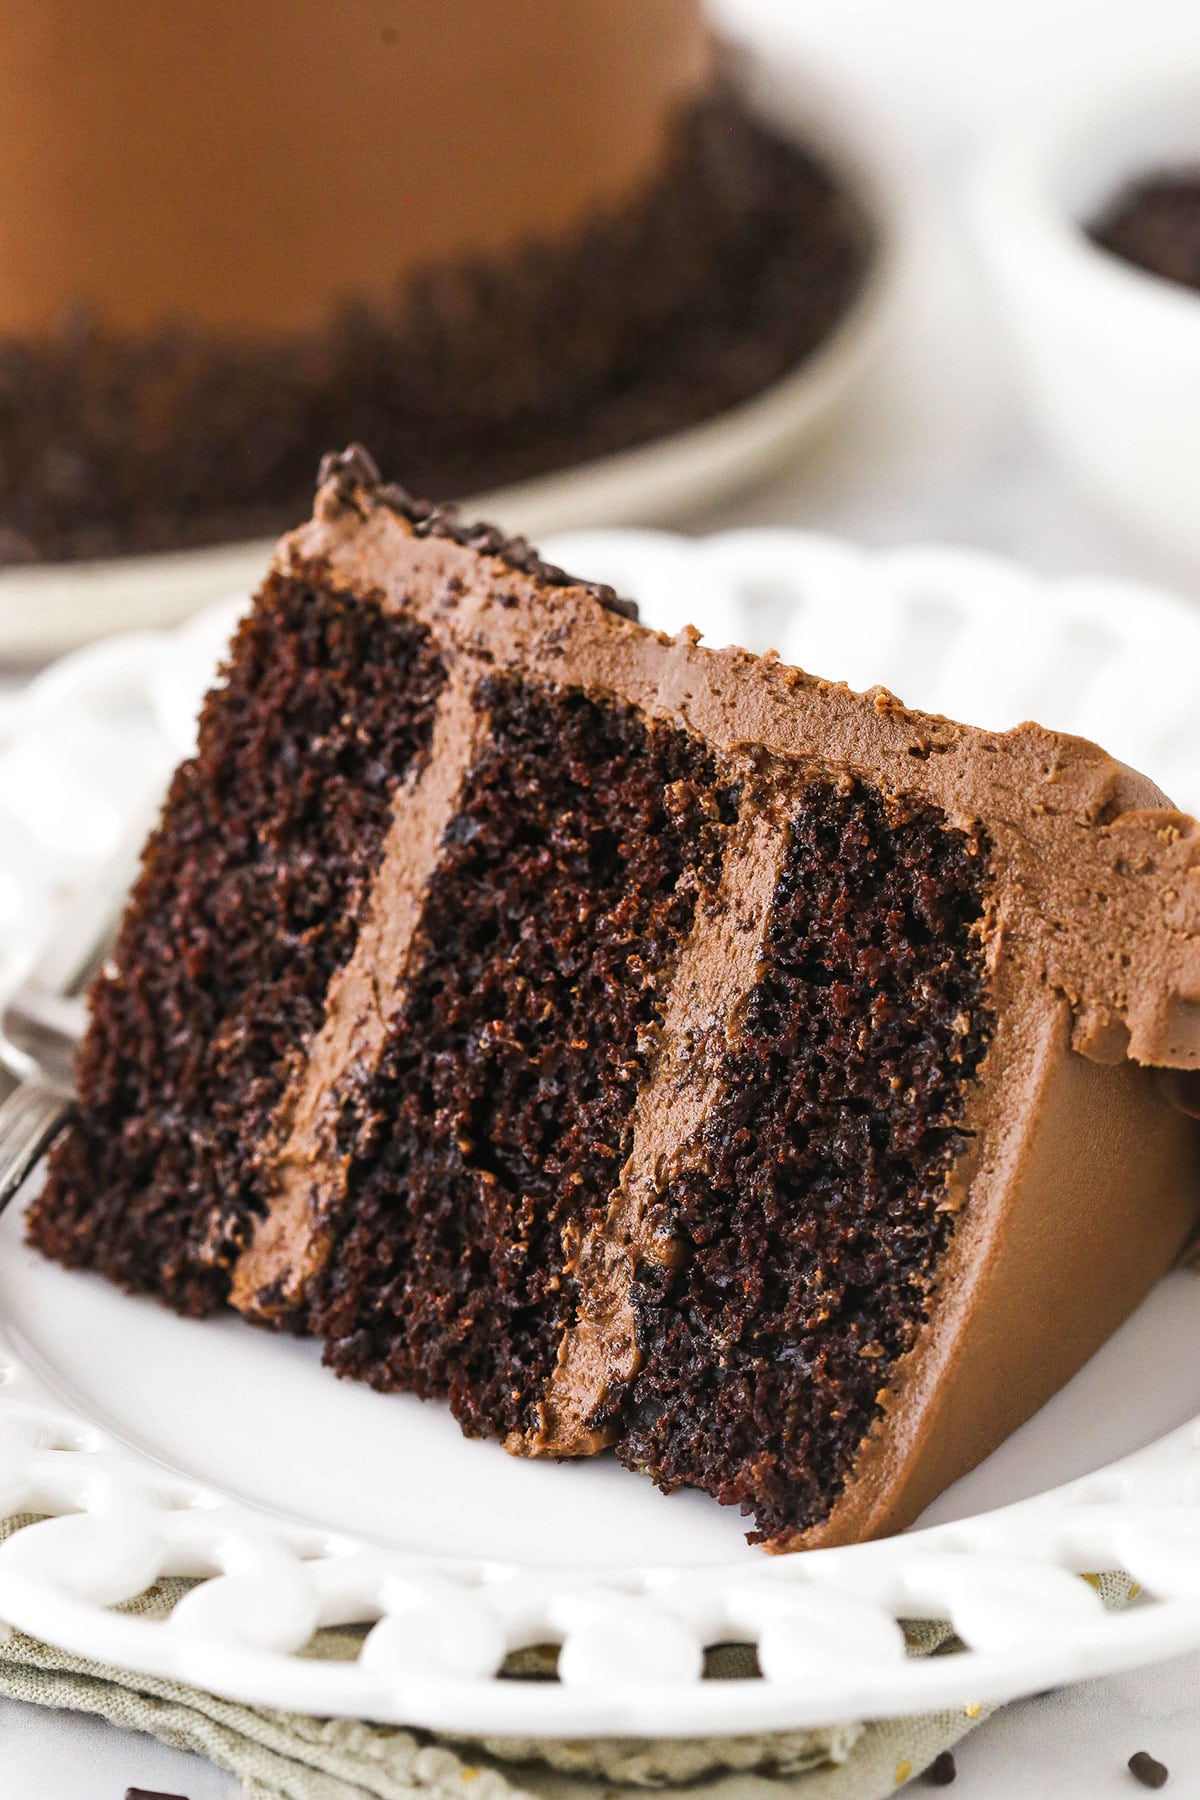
(1109, 355)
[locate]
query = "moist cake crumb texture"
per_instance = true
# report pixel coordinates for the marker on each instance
(812, 1218)
(567, 882)
(247, 904)
(713, 1098)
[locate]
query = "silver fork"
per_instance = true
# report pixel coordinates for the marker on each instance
(43, 1019)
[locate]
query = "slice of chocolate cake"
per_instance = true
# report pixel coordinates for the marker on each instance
(634, 1044)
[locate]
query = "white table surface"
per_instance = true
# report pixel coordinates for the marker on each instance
(935, 449)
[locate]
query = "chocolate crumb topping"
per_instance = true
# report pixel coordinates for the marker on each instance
(943, 1770)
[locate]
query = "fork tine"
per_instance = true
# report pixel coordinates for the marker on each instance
(30, 1120)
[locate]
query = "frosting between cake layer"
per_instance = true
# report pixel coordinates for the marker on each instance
(307, 1172)
(715, 971)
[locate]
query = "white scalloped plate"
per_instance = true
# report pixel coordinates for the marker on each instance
(162, 1446)
(46, 609)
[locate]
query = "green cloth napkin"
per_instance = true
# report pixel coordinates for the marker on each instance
(283, 1756)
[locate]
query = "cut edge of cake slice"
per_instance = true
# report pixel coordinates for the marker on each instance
(653, 1047)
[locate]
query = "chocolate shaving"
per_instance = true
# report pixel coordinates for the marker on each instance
(356, 475)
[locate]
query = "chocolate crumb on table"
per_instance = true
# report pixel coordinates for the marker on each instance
(1155, 225)
(1146, 1769)
(942, 1770)
(150, 1794)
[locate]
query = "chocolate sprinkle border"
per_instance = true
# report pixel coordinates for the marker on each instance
(354, 471)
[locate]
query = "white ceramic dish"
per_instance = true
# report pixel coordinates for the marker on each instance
(48, 609)
(1109, 355)
(162, 1446)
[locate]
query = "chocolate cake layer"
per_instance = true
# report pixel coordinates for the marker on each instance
(694, 293)
(757, 1077)
(809, 1212)
(248, 903)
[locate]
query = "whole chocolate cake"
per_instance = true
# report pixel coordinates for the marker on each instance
(634, 1044)
(493, 238)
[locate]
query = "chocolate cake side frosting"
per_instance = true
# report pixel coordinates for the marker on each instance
(695, 1058)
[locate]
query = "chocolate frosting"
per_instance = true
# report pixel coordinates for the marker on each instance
(353, 470)
(1079, 1184)
(246, 169)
